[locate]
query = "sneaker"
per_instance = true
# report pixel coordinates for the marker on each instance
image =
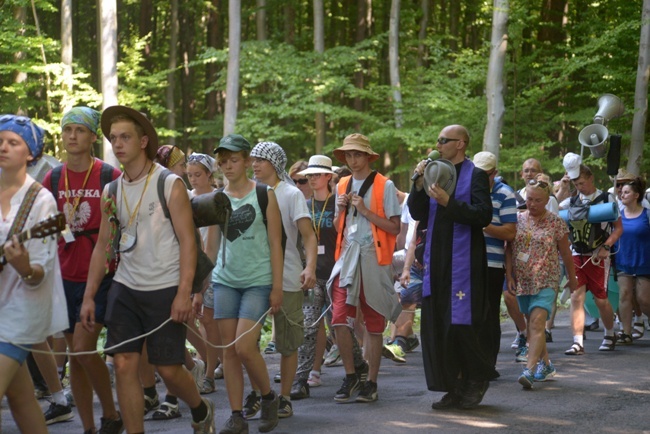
(401, 342)
(285, 409)
(252, 405)
(333, 357)
(277, 378)
(299, 390)
(150, 403)
(69, 397)
(413, 342)
(206, 426)
(42, 394)
(362, 372)
(314, 379)
(218, 373)
(515, 343)
(198, 372)
(111, 426)
(207, 386)
(544, 371)
(368, 392)
(236, 424)
(473, 392)
(270, 348)
(548, 335)
(166, 411)
(522, 355)
(58, 413)
(269, 416)
(393, 352)
(592, 327)
(349, 386)
(526, 379)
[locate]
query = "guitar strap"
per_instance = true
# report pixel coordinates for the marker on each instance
(24, 210)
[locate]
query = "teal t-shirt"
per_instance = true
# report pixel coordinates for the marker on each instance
(248, 256)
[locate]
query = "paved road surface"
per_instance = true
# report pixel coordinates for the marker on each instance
(595, 393)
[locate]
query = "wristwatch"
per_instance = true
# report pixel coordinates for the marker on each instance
(606, 247)
(30, 275)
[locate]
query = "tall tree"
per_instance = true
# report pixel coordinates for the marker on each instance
(260, 20)
(213, 97)
(108, 52)
(393, 60)
(171, 75)
(66, 50)
(494, 87)
(422, 34)
(232, 85)
(146, 30)
(319, 47)
(635, 156)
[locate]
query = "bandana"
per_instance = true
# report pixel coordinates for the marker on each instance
(274, 154)
(31, 133)
(169, 155)
(203, 159)
(83, 116)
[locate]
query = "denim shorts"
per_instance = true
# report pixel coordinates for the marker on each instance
(74, 296)
(412, 294)
(208, 296)
(544, 299)
(14, 352)
(246, 303)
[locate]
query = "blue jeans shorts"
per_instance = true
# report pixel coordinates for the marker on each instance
(14, 352)
(413, 293)
(74, 296)
(544, 299)
(208, 296)
(246, 303)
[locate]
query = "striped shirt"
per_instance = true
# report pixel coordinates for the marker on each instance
(504, 210)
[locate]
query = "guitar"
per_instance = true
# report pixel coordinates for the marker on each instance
(48, 227)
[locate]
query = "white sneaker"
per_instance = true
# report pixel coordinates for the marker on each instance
(515, 343)
(198, 372)
(218, 373)
(314, 379)
(333, 356)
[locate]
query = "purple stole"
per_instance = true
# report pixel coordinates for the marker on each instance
(461, 249)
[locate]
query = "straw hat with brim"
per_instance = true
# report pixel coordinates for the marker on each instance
(142, 120)
(441, 172)
(624, 175)
(355, 142)
(318, 164)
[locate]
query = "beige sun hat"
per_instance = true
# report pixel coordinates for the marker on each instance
(318, 164)
(355, 142)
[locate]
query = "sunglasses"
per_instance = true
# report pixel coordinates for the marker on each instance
(537, 183)
(302, 181)
(197, 158)
(445, 140)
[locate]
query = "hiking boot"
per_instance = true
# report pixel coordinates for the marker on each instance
(299, 390)
(521, 356)
(333, 357)
(111, 426)
(207, 386)
(314, 379)
(166, 411)
(150, 403)
(285, 409)
(393, 352)
(349, 386)
(544, 371)
(269, 417)
(206, 426)
(362, 372)
(58, 413)
(368, 392)
(236, 424)
(252, 405)
(526, 379)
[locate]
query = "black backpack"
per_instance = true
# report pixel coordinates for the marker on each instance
(584, 236)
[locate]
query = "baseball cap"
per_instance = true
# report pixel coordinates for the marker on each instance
(234, 143)
(486, 161)
(571, 164)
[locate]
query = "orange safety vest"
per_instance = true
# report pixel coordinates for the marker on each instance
(384, 242)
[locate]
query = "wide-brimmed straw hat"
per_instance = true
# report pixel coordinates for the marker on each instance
(355, 142)
(318, 164)
(140, 118)
(441, 172)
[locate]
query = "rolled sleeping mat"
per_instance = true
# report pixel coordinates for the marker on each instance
(210, 209)
(601, 213)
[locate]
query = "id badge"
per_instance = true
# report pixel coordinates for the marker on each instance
(321, 250)
(523, 257)
(127, 241)
(67, 234)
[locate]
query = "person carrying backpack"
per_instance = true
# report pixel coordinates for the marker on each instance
(590, 245)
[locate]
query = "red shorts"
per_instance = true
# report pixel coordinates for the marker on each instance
(345, 314)
(593, 276)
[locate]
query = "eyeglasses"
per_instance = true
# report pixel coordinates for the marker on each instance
(445, 140)
(302, 181)
(537, 183)
(313, 175)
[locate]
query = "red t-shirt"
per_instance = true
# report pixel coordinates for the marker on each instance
(75, 256)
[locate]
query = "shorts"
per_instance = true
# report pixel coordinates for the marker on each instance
(74, 297)
(634, 276)
(344, 314)
(593, 276)
(412, 294)
(131, 313)
(544, 299)
(208, 296)
(241, 303)
(14, 352)
(290, 323)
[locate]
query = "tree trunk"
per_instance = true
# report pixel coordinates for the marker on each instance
(171, 76)
(422, 34)
(494, 86)
(319, 47)
(213, 98)
(232, 84)
(454, 25)
(66, 52)
(108, 51)
(640, 94)
(20, 15)
(362, 31)
(289, 23)
(146, 28)
(260, 20)
(187, 24)
(393, 60)
(551, 17)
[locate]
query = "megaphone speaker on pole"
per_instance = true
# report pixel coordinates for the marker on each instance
(594, 137)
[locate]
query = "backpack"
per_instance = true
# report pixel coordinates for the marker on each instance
(263, 201)
(585, 237)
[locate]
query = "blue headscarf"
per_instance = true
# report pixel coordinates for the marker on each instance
(31, 133)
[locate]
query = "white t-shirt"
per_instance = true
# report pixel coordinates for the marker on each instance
(293, 207)
(407, 219)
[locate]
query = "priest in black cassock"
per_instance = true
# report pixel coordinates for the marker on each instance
(454, 292)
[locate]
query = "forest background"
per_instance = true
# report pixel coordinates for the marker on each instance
(311, 72)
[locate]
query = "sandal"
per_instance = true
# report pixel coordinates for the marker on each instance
(623, 338)
(575, 350)
(638, 330)
(608, 344)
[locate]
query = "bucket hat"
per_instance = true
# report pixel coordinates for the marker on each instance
(140, 118)
(355, 142)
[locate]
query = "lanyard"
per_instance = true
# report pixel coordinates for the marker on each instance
(75, 202)
(137, 206)
(320, 219)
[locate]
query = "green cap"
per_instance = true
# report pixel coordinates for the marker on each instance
(234, 143)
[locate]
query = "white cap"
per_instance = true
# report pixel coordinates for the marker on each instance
(571, 164)
(486, 161)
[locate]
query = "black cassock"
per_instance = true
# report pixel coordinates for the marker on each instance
(451, 351)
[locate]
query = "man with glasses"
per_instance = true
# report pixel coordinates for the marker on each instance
(455, 290)
(529, 171)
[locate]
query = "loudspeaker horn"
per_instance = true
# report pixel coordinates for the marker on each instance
(594, 137)
(609, 107)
